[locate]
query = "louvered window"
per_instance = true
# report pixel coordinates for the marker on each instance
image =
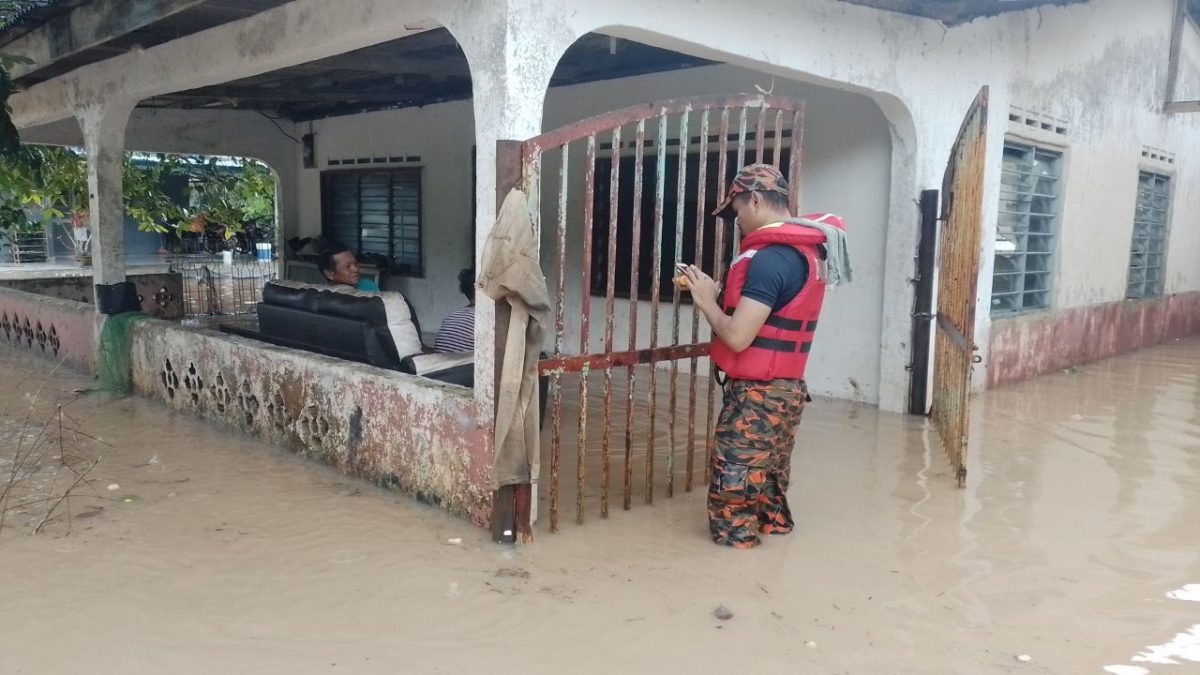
(376, 213)
(1148, 253)
(1027, 229)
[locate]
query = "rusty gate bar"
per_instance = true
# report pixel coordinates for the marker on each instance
(676, 295)
(560, 324)
(718, 265)
(760, 130)
(598, 351)
(631, 115)
(958, 271)
(589, 194)
(584, 363)
(741, 159)
(794, 174)
(776, 157)
(660, 171)
(639, 154)
(694, 363)
(610, 291)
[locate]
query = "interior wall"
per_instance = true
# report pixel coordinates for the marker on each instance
(442, 136)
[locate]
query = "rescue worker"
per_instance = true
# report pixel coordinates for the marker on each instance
(762, 333)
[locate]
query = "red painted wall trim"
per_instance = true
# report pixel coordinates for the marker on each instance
(1028, 346)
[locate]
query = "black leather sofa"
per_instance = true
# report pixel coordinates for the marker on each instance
(378, 329)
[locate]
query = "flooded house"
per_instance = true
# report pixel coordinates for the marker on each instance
(1016, 177)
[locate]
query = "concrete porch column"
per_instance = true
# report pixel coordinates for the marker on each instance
(104, 139)
(512, 55)
(512, 58)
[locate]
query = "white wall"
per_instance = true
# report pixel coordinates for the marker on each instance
(1183, 254)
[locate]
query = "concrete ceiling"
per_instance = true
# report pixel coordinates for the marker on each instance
(414, 71)
(952, 12)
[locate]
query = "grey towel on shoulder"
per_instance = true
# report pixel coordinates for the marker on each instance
(835, 269)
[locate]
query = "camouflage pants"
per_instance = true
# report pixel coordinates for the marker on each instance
(752, 462)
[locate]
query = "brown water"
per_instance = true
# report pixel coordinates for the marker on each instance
(1074, 543)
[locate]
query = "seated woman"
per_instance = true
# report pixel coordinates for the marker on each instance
(339, 265)
(457, 333)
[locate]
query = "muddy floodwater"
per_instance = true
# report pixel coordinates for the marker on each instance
(1074, 548)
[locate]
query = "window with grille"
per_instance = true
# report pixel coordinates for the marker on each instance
(376, 213)
(1026, 229)
(707, 229)
(1148, 253)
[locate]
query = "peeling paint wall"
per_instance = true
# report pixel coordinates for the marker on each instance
(59, 330)
(420, 437)
(1109, 92)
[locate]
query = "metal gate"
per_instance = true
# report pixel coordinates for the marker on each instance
(958, 270)
(618, 199)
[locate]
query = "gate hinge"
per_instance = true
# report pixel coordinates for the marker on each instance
(923, 315)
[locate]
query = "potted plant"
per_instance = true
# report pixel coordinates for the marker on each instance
(79, 228)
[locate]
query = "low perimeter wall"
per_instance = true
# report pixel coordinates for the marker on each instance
(161, 293)
(58, 330)
(421, 437)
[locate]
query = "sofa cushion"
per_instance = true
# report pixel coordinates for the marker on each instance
(388, 312)
(453, 368)
(299, 296)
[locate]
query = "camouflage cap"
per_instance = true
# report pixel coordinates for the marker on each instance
(752, 178)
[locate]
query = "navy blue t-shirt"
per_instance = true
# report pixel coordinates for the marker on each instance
(777, 273)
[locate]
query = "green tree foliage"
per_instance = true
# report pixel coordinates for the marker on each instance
(224, 196)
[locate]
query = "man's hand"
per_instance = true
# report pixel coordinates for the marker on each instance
(736, 331)
(701, 286)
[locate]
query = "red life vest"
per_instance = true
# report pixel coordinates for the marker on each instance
(780, 350)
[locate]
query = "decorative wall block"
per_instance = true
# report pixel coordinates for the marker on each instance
(248, 403)
(222, 398)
